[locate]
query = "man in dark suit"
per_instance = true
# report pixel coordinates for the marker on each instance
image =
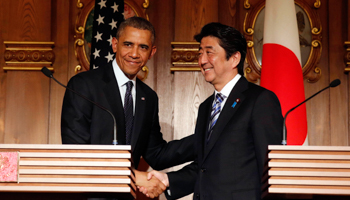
(116, 87)
(234, 125)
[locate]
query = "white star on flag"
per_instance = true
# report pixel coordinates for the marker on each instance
(113, 24)
(110, 40)
(100, 19)
(115, 8)
(98, 36)
(97, 53)
(109, 57)
(102, 4)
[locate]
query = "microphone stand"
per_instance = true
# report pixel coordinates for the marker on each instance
(334, 83)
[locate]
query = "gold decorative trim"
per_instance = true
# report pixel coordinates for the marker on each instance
(317, 4)
(28, 53)
(145, 5)
(250, 44)
(143, 74)
(24, 43)
(80, 30)
(185, 43)
(246, 4)
(79, 4)
(248, 31)
(77, 68)
(25, 68)
(185, 63)
(347, 56)
(184, 56)
(316, 43)
(315, 31)
(174, 69)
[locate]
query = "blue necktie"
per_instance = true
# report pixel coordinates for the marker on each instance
(215, 112)
(128, 112)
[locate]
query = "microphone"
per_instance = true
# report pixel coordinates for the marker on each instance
(334, 83)
(49, 74)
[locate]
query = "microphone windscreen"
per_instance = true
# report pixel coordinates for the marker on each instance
(47, 72)
(335, 83)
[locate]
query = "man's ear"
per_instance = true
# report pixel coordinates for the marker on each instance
(153, 51)
(235, 59)
(114, 44)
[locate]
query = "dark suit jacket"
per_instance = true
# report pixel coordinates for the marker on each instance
(230, 165)
(84, 123)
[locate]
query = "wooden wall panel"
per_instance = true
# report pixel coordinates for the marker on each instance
(26, 110)
(27, 93)
(3, 23)
(318, 108)
(62, 37)
(162, 15)
(227, 12)
(338, 96)
(348, 76)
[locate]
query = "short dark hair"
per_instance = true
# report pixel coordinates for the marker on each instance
(139, 23)
(230, 39)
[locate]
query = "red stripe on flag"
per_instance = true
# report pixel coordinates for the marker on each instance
(282, 73)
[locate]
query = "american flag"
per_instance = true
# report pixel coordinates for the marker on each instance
(108, 15)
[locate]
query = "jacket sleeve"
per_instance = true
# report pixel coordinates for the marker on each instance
(160, 154)
(76, 114)
(182, 182)
(266, 125)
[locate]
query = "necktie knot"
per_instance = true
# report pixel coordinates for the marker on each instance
(129, 85)
(219, 98)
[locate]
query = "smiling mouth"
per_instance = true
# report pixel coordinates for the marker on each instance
(207, 69)
(133, 62)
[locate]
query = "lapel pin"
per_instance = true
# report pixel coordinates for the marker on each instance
(235, 103)
(142, 98)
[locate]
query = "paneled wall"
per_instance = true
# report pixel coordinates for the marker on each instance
(30, 103)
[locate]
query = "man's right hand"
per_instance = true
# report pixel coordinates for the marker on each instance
(151, 187)
(163, 177)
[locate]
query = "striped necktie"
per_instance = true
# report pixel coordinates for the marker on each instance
(128, 111)
(215, 112)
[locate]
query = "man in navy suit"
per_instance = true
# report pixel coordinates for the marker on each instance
(84, 123)
(234, 125)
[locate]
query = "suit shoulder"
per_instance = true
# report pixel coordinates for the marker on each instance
(258, 90)
(147, 89)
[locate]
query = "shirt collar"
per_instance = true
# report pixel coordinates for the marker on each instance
(229, 86)
(119, 74)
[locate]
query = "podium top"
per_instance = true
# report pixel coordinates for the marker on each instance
(308, 148)
(66, 146)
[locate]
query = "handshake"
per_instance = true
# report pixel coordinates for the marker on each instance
(151, 184)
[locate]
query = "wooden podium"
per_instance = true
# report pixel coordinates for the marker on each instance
(309, 172)
(76, 171)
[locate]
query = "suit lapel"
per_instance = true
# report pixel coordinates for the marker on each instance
(203, 124)
(111, 91)
(229, 110)
(139, 113)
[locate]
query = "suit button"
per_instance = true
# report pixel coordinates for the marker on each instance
(203, 170)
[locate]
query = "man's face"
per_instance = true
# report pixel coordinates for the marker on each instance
(133, 49)
(216, 69)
